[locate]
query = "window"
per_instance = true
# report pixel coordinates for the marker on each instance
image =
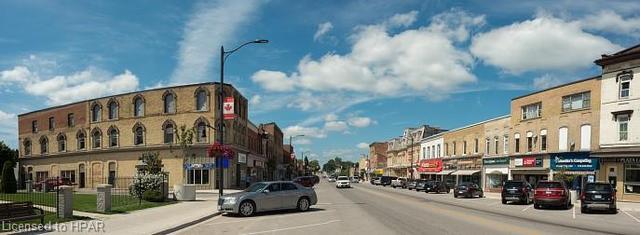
(464, 147)
(454, 148)
(41, 175)
(632, 178)
(563, 138)
(529, 141)
(96, 113)
(439, 152)
(543, 140)
(27, 147)
(623, 127)
(625, 84)
(81, 141)
(44, 145)
(201, 100)
(71, 175)
(113, 110)
(112, 173)
(495, 139)
(198, 176)
(487, 144)
(202, 132)
(169, 103)
(168, 133)
(71, 120)
(52, 123)
(97, 142)
(113, 137)
(446, 149)
(585, 137)
(505, 143)
(433, 151)
(428, 152)
(62, 143)
(576, 101)
(516, 137)
(138, 135)
(275, 187)
(475, 146)
(288, 186)
(138, 107)
(424, 154)
(34, 126)
(531, 111)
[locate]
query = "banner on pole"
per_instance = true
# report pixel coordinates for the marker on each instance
(228, 108)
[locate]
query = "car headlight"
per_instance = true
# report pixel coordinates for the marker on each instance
(230, 200)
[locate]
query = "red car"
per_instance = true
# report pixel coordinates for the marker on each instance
(552, 193)
(52, 183)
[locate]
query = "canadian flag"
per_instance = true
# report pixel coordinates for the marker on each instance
(228, 108)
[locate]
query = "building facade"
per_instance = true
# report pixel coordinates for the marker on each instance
(463, 154)
(403, 153)
(377, 158)
(495, 162)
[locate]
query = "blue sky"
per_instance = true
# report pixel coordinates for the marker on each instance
(342, 73)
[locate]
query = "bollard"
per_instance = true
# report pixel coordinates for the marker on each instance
(65, 201)
(103, 198)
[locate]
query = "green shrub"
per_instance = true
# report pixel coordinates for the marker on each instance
(8, 182)
(153, 196)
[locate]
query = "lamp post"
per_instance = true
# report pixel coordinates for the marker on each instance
(223, 57)
(411, 169)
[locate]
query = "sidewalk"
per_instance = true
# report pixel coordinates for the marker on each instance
(160, 219)
(623, 206)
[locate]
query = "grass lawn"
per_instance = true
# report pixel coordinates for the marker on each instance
(85, 202)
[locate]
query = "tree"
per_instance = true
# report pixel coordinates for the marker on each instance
(153, 163)
(7, 154)
(329, 167)
(314, 166)
(184, 136)
(8, 183)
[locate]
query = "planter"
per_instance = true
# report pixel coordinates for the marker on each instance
(574, 196)
(185, 192)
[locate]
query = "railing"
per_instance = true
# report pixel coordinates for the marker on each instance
(43, 193)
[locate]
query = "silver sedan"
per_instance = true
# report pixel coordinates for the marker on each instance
(268, 196)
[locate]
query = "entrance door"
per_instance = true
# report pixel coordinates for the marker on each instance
(82, 176)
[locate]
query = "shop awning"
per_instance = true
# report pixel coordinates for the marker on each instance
(466, 172)
(445, 172)
(496, 171)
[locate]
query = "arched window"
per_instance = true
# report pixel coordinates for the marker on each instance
(201, 128)
(27, 147)
(169, 132)
(62, 143)
(113, 110)
(97, 138)
(138, 106)
(96, 112)
(563, 139)
(81, 140)
(201, 100)
(113, 137)
(138, 134)
(169, 102)
(44, 145)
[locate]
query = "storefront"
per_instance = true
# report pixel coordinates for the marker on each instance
(495, 172)
(580, 164)
(428, 168)
(530, 168)
(462, 169)
(623, 173)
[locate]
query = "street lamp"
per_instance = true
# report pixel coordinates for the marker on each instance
(223, 57)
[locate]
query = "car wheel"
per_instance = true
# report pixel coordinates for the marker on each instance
(613, 210)
(481, 195)
(247, 208)
(504, 201)
(583, 210)
(303, 204)
(535, 205)
(455, 195)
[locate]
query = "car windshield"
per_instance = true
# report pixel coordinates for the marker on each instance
(343, 178)
(256, 187)
(599, 187)
(549, 185)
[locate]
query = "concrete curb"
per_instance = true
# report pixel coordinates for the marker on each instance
(186, 225)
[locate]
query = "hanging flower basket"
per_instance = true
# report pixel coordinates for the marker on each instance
(217, 150)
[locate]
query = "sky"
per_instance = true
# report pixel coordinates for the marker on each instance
(341, 73)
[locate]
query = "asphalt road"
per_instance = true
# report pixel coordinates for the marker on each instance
(367, 209)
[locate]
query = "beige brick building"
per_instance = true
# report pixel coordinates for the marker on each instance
(463, 151)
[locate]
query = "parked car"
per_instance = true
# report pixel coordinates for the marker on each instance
(552, 193)
(399, 182)
(343, 182)
(268, 196)
(307, 181)
(421, 185)
(355, 179)
(411, 184)
(52, 183)
(435, 187)
(377, 181)
(331, 179)
(386, 180)
(468, 189)
(598, 196)
(517, 190)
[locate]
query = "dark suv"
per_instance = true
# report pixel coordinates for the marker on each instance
(467, 189)
(436, 187)
(552, 193)
(598, 196)
(421, 185)
(386, 180)
(519, 191)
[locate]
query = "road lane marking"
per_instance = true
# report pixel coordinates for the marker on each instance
(324, 203)
(574, 212)
(294, 227)
(633, 217)
(527, 208)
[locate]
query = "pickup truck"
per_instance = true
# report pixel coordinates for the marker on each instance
(399, 182)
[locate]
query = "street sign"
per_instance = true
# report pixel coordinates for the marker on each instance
(228, 108)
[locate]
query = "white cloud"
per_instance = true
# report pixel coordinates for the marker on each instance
(255, 100)
(363, 145)
(212, 25)
(384, 64)
(19, 74)
(322, 30)
(612, 22)
(360, 121)
(402, 20)
(338, 126)
(310, 132)
(543, 43)
(549, 80)
(330, 117)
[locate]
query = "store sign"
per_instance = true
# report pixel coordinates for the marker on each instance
(430, 165)
(206, 166)
(242, 158)
(228, 110)
(574, 162)
(528, 162)
(621, 159)
(378, 171)
(496, 161)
